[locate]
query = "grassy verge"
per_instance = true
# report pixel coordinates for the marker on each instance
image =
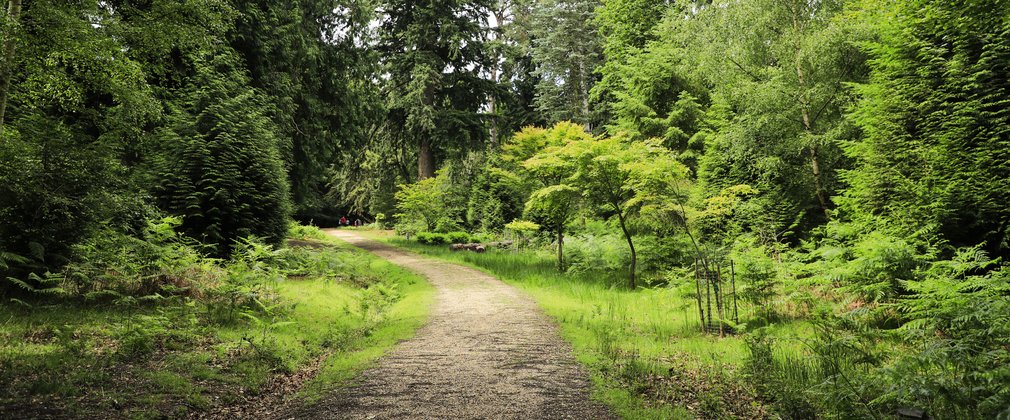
(332, 311)
(648, 358)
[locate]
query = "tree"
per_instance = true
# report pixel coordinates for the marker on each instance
(779, 71)
(76, 100)
(566, 51)
(221, 169)
(434, 52)
(422, 202)
(554, 202)
(313, 59)
(934, 161)
(621, 179)
(10, 23)
(627, 28)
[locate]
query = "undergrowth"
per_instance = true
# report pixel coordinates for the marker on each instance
(149, 327)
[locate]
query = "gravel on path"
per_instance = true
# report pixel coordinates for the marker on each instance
(487, 351)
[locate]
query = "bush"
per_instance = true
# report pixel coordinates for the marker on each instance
(429, 238)
(483, 238)
(447, 225)
(458, 237)
(299, 231)
(757, 277)
(381, 221)
(111, 264)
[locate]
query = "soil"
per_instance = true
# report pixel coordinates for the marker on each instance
(487, 351)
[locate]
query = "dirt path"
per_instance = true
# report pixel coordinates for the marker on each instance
(487, 351)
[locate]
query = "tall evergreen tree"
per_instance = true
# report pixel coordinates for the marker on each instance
(936, 113)
(566, 52)
(221, 169)
(434, 52)
(312, 58)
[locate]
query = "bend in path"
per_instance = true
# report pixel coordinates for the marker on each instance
(487, 351)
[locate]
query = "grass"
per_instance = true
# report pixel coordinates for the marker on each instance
(644, 347)
(343, 310)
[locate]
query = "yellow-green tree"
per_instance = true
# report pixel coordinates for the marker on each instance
(618, 179)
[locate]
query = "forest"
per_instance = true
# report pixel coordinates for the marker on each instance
(836, 172)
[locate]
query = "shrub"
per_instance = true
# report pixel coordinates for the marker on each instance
(591, 253)
(429, 238)
(458, 237)
(300, 231)
(381, 221)
(482, 237)
(757, 277)
(447, 225)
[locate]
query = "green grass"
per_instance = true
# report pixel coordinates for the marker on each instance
(632, 340)
(97, 360)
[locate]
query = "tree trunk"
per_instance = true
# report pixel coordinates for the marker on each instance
(561, 244)
(425, 158)
(13, 13)
(808, 126)
(631, 245)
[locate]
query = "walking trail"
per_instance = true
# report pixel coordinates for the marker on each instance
(487, 351)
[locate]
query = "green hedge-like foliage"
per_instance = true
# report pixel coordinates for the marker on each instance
(429, 238)
(223, 173)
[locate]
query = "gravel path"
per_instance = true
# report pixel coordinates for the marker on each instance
(487, 351)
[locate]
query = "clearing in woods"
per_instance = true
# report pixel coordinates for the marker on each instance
(488, 351)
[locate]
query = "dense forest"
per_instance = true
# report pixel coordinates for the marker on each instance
(850, 157)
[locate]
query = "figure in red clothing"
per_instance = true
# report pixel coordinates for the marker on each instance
(343, 221)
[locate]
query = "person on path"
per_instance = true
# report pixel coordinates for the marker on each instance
(343, 221)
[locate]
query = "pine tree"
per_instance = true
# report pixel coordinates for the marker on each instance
(936, 114)
(221, 170)
(434, 52)
(566, 51)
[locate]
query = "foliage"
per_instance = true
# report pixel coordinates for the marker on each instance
(458, 237)
(421, 203)
(589, 252)
(222, 172)
(935, 117)
(74, 103)
(623, 179)
(522, 226)
(155, 356)
(307, 60)
(566, 50)
(757, 277)
(430, 238)
(554, 201)
(434, 77)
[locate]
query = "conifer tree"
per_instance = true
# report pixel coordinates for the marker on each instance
(221, 170)
(434, 52)
(936, 114)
